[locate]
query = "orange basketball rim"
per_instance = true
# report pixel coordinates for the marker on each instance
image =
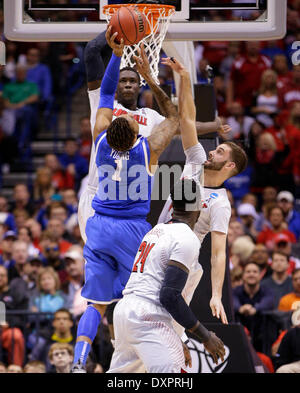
(153, 13)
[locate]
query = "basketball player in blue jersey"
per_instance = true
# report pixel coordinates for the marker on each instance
(125, 162)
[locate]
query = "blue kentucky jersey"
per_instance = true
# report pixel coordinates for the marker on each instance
(125, 182)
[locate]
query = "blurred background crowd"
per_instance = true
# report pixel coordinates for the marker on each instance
(41, 251)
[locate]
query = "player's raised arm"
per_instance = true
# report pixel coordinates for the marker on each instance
(163, 133)
(186, 105)
(109, 85)
(187, 109)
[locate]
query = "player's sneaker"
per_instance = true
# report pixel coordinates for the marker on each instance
(78, 368)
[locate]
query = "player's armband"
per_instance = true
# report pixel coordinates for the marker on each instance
(171, 297)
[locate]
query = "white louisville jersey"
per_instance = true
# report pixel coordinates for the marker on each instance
(147, 119)
(165, 242)
(215, 206)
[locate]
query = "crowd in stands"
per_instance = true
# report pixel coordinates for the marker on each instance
(41, 251)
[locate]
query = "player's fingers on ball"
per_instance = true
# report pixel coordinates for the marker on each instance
(113, 37)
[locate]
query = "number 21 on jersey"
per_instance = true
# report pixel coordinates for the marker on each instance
(144, 250)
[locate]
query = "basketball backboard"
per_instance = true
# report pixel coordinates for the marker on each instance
(66, 20)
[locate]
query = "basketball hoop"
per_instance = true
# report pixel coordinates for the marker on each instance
(158, 18)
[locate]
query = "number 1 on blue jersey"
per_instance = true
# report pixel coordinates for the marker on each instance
(116, 176)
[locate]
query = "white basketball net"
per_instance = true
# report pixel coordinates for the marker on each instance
(152, 42)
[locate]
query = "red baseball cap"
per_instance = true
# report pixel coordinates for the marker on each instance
(281, 237)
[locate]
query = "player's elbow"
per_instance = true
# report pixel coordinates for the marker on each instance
(168, 298)
(174, 119)
(172, 114)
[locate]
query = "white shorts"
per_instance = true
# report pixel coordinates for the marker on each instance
(145, 339)
(85, 210)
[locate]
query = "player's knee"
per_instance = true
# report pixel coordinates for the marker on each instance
(101, 308)
(167, 297)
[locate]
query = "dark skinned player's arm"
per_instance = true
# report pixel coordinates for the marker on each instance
(97, 54)
(163, 133)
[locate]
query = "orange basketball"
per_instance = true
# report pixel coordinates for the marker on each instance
(130, 24)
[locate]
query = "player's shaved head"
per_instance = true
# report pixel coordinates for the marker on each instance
(186, 195)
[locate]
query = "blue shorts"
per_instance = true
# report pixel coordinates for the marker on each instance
(110, 250)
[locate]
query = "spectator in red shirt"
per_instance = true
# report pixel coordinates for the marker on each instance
(246, 74)
(61, 179)
(283, 244)
(293, 132)
(266, 162)
(291, 93)
(36, 231)
(267, 236)
(285, 145)
(281, 67)
(215, 51)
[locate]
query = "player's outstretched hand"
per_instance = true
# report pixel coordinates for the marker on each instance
(174, 64)
(142, 62)
(215, 347)
(222, 128)
(217, 309)
(110, 38)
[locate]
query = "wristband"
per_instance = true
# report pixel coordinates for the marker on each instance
(201, 333)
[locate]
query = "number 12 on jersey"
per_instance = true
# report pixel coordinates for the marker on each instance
(144, 250)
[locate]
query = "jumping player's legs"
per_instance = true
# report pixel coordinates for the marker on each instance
(124, 358)
(144, 330)
(108, 266)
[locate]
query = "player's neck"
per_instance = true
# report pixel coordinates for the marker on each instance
(129, 105)
(185, 218)
(214, 178)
